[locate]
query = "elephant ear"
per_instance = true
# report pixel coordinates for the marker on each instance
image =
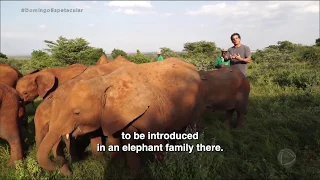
(123, 103)
(45, 82)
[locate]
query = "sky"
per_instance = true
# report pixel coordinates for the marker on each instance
(150, 25)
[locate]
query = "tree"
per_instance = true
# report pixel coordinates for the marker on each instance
(118, 52)
(287, 46)
(71, 51)
(318, 42)
(206, 48)
(3, 56)
(40, 60)
(167, 52)
(139, 58)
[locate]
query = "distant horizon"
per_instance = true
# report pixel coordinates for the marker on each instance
(129, 53)
(150, 25)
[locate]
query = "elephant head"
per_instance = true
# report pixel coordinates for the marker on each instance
(35, 84)
(106, 101)
(41, 83)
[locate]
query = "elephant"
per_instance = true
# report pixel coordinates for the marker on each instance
(11, 118)
(151, 97)
(9, 75)
(41, 119)
(43, 112)
(42, 82)
(226, 89)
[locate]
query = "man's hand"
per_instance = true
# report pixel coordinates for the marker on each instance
(232, 56)
(238, 57)
(222, 65)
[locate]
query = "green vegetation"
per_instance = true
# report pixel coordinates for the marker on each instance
(283, 113)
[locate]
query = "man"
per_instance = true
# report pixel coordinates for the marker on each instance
(239, 55)
(160, 58)
(220, 60)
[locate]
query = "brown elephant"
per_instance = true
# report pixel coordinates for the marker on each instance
(9, 75)
(151, 97)
(41, 119)
(43, 112)
(11, 118)
(226, 89)
(42, 82)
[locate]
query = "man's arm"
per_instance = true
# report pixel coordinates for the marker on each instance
(217, 64)
(247, 53)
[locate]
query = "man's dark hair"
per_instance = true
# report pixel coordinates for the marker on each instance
(234, 35)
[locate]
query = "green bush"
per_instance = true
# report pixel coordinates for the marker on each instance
(283, 112)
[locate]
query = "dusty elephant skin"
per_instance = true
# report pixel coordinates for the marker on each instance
(152, 97)
(10, 121)
(103, 60)
(41, 83)
(226, 89)
(41, 119)
(9, 75)
(43, 114)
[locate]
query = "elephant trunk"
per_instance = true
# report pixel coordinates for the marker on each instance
(45, 147)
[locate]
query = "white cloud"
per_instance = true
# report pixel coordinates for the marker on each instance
(262, 12)
(133, 12)
(47, 2)
(262, 9)
(122, 4)
(80, 5)
(201, 25)
(91, 25)
(42, 26)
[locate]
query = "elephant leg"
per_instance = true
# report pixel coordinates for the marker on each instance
(114, 141)
(159, 156)
(240, 116)
(59, 157)
(9, 131)
(133, 159)
(228, 120)
(198, 116)
(72, 147)
(15, 149)
(96, 138)
(58, 153)
(94, 141)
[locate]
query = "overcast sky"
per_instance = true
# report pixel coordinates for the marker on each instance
(149, 25)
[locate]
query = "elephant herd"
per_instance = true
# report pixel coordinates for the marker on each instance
(85, 104)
